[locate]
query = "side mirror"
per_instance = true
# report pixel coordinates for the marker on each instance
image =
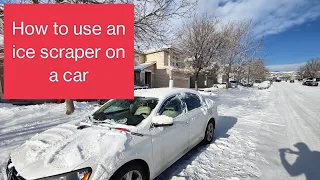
(162, 121)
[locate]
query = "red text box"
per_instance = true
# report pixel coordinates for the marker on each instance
(68, 51)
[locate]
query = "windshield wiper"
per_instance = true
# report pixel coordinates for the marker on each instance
(106, 121)
(83, 125)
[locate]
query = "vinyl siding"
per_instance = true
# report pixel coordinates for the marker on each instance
(157, 57)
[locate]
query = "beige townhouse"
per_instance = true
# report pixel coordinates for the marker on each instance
(155, 68)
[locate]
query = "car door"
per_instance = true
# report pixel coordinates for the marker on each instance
(197, 115)
(174, 139)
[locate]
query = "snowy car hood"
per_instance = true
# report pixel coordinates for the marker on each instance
(64, 147)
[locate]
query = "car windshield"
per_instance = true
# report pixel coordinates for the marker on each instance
(126, 111)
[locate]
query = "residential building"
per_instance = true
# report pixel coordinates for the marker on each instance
(203, 81)
(288, 75)
(155, 68)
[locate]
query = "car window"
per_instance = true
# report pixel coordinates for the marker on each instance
(126, 111)
(172, 107)
(192, 101)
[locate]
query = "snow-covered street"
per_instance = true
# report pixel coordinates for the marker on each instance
(255, 130)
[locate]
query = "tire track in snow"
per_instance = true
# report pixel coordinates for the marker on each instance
(300, 120)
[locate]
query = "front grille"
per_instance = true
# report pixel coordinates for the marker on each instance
(12, 174)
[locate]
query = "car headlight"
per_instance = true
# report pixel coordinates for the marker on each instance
(81, 174)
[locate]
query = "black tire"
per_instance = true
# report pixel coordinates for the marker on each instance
(208, 139)
(118, 175)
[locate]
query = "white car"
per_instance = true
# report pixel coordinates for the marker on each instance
(209, 91)
(133, 139)
(262, 85)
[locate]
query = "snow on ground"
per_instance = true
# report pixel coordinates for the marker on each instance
(233, 155)
(261, 134)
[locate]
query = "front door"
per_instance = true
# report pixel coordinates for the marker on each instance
(174, 139)
(147, 79)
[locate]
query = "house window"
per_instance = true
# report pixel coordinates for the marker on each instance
(136, 77)
(177, 63)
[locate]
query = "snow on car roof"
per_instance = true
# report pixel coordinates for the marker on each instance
(161, 93)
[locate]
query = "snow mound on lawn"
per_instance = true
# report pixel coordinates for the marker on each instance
(66, 147)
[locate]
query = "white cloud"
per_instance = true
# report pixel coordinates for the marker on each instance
(285, 67)
(269, 16)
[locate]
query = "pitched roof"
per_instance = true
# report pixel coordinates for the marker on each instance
(164, 48)
(143, 66)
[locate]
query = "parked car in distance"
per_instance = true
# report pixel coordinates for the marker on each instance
(220, 86)
(262, 85)
(234, 84)
(310, 83)
(247, 84)
(209, 91)
(124, 139)
(291, 81)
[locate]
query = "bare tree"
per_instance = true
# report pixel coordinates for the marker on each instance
(69, 106)
(151, 19)
(239, 72)
(258, 69)
(241, 48)
(200, 42)
(311, 69)
(301, 71)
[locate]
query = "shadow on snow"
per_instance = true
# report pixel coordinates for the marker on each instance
(307, 162)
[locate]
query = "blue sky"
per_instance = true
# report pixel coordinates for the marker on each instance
(291, 27)
(292, 47)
